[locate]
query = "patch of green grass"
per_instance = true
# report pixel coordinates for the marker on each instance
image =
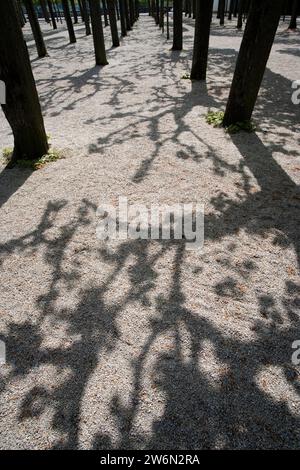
(51, 156)
(7, 154)
(215, 118)
(186, 76)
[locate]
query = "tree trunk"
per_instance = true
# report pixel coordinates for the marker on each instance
(222, 12)
(231, 8)
(262, 23)
(157, 12)
(131, 12)
(293, 23)
(168, 21)
(98, 36)
(241, 4)
(22, 108)
(45, 10)
(104, 5)
(122, 18)
(177, 25)
(36, 30)
(162, 15)
(127, 17)
(75, 16)
(86, 16)
(81, 10)
(202, 30)
(67, 15)
(52, 15)
(113, 22)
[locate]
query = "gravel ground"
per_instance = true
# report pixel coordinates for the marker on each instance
(145, 344)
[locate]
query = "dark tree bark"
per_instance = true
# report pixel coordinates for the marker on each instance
(22, 108)
(98, 36)
(67, 15)
(201, 43)
(111, 6)
(131, 12)
(222, 12)
(52, 15)
(157, 12)
(127, 16)
(104, 5)
(45, 10)
(162, 15)
(86, 17)
(36, 30)
(81, 10)
(122, 18)
(241, 6)
(177, 25)
(293, 23)
(74, 11)
(168, 21)
(19, 13)
(231, 8)
(262, 23)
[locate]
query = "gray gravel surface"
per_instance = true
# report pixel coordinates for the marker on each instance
(144, 344)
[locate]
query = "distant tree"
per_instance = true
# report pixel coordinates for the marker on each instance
(262, 23)
(98, 36)
(111, 6)
(67, 15)
(177, 25)
(204, 12)
(122, 18)
(127, 16)
(241, 4)
(35, 26)
(52, 15)
(45, 10)
(22, 108)
(293, 22)
(74, 11)
(104, 6)
(86, 16)
(222, 11)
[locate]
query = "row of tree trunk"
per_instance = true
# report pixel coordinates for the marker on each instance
(22, 107)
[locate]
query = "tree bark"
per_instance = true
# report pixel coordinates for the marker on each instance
(45, 10)
(22, 108)
(204, 12)
(127, 17)
(131, 12)
(36, 30)
(52, 15)
(241, 4)
(98, 36)
(162, 15)
(111, 6)
(104, 5)
(222, 12)
(86, 16)
(67, 15)
(262, 23)
(75, 16)
(122, 18)
(177, 25)
(293, 23)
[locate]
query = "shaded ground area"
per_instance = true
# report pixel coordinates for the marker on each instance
(145, 344)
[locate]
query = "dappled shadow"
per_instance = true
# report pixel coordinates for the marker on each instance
(216, 383)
